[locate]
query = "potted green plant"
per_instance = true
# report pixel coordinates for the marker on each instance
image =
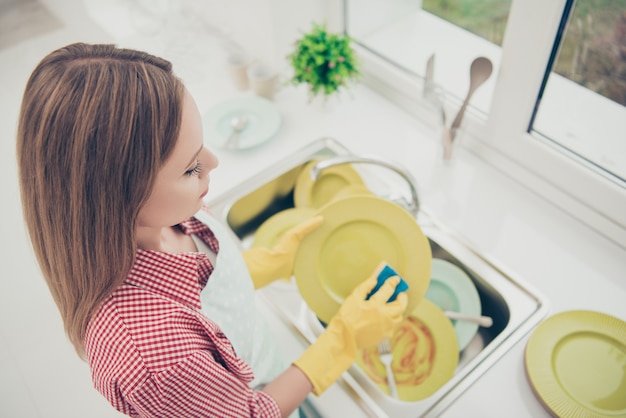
(325, 61)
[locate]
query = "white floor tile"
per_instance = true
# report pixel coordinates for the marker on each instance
(59, 383)
(25, 19)
(16, 399)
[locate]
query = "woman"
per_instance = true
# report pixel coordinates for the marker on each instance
(112, 172)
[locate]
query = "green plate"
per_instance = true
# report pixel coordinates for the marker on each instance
(263, 121)
(425, 354)
(451, 289)
(576, 363)
(311, 193)
(358, 233)
(270, 231)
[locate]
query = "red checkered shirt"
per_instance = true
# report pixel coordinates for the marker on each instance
(153, 353)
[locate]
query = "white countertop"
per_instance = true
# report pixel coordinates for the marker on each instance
(573, 266)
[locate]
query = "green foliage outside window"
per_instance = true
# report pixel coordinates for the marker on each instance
(592, 53)
(325, 61)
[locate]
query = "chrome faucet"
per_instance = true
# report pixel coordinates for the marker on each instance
(412, 205)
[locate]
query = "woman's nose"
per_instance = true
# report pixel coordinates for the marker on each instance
(211, 159)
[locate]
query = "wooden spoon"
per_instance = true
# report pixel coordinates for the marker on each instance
(480, 71)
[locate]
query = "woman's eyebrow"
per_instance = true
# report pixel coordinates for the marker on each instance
(195, 156)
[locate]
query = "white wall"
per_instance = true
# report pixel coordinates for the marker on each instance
(266, 29)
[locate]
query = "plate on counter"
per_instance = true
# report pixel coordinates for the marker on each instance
(425, 354)
(358, 233)
(309, 193)
(451, 289)
(576, 363)
(263, 121)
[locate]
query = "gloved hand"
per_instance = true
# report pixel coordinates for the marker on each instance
(358, 324)
(267, 265)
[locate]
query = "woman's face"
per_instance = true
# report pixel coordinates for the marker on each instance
(183, 180)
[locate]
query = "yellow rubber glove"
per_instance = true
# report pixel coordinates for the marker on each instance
(267, 265)
(358, 324)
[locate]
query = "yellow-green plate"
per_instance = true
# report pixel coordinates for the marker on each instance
(425, 354)
(316, 193)
(270, 231)
(352, 190)
(358, 233)
(576, 363)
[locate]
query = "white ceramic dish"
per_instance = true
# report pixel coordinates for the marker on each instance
(263, 122)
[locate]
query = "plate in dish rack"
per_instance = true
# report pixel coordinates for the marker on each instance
(576, 363)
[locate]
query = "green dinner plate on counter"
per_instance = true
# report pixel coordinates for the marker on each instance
(263, 122)
(576, 363)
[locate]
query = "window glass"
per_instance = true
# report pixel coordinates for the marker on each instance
(583, 105)
(409, 32)
(582, 108)
(555, 104)
(485, 18)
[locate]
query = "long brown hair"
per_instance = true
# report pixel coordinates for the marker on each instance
(96, 124)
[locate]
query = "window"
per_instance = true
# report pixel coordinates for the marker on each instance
(588, 72)
(553, 112)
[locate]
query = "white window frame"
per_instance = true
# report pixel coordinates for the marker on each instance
(501, 139)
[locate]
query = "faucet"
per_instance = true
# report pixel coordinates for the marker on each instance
(412, 206)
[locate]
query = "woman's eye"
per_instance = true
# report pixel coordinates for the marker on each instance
(195, 170)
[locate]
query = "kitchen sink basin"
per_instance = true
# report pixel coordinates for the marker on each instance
(514, 306)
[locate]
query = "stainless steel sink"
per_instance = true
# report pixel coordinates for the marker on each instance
(514, 306)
